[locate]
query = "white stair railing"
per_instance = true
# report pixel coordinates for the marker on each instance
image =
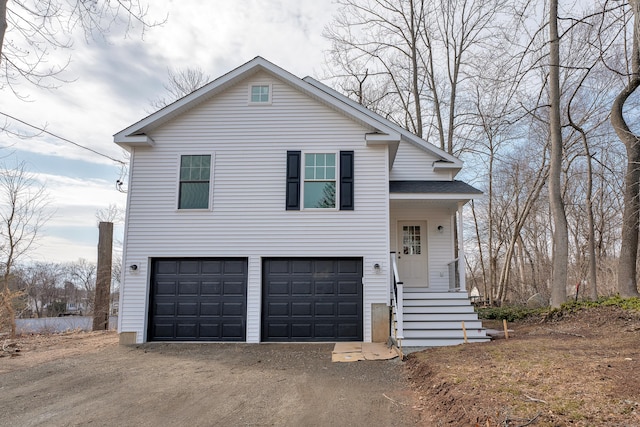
(397, 289)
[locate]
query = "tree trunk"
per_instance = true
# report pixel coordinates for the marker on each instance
(560, 233)
(103, 277)
(3, 24)
(627, 283)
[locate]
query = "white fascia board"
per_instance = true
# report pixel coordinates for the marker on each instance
(382, 139)
(437, 196)
(135, 141)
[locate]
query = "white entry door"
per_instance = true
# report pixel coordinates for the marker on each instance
(412, 253)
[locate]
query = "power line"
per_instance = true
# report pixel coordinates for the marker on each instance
(63, 139)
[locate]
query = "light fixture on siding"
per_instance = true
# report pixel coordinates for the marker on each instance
(376, 267)
(440, 229)
(133, 267)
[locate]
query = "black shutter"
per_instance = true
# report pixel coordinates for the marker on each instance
(346, 180)
(293, 181)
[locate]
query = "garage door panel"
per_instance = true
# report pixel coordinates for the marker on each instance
(325, 287)
(211, 288)
(324, 309)
(348, 309)
(234, 288)
(166, 266)
(348, 287)
(349, 266)
(301, 330)
(196, 300)
(278, 288)
(164, 330)
(303, 266)
(209, 329)
(347, 330)
(233, 309)
(233, 331)
(308, 299)
(210, 309)
(165, 309)
(325, 330)
(166, 288)
(186, 331)
(187, 309)
(234, 267)
(188, 288)
(301, 309)
(278, 331)
(278, 309)
(301, 288)
(189, 267)
(212, 267)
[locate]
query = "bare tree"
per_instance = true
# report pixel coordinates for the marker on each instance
(82, 274)
(627, 269)
(23, 212)
(30, 30)
(419, 51)
(180, 83)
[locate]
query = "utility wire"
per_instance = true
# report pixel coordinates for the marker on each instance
(63, 139)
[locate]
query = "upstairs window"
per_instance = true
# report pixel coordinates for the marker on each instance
(195, 176)
(319, 181)
(260, 94)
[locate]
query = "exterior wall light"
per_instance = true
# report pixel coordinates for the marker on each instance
(133, 267)
(376, 267)
(440, 229)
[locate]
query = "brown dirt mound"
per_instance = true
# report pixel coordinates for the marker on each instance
(580, 369)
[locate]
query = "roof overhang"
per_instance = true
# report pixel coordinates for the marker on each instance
(433, 190)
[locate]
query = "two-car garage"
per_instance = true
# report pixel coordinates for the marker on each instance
(303, 299)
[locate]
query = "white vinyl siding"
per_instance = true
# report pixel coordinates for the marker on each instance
(248, 217)
(414, 164)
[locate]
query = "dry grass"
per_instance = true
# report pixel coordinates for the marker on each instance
(581, 370)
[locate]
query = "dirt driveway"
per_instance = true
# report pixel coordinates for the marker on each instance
(88, 379)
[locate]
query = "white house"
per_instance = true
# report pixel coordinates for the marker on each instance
(268, 208)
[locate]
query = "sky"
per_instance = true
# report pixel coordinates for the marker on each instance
(112, 82)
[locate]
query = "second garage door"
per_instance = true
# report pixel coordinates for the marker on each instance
(312, 299)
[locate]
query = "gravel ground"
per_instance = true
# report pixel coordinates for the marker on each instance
(88, 379)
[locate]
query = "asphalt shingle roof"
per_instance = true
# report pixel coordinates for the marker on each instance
(438, 187)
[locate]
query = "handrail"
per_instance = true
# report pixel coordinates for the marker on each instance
(397, 297)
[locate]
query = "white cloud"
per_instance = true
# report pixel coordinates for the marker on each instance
(115, 79)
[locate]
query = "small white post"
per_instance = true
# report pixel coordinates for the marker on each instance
(461, 256)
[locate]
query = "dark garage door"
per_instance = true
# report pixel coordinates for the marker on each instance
(312, 299)
(198, 299)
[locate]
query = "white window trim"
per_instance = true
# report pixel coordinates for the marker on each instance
(211, 182)
(260, 84)
(336, 179)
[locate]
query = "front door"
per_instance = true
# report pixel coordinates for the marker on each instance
(412, 253)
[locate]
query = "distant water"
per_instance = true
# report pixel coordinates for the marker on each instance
(59, 324)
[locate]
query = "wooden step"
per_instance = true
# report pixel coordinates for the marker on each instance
(440, 325)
